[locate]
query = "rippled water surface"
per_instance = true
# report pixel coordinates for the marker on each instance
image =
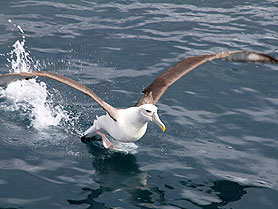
(220, 147)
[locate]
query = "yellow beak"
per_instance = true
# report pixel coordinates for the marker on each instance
(156, 120)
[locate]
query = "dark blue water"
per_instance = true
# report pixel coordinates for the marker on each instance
(220, 147)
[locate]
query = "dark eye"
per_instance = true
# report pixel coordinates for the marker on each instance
(148, 111)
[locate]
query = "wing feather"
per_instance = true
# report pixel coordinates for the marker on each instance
(8, 78)
(158, 87)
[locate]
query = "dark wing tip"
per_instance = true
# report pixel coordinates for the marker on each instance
(9, 78)
(245, 56)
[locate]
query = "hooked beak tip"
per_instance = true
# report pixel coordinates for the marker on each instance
(163, 128)
(156, 120)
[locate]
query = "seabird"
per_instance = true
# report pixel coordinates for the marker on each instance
(130, 124)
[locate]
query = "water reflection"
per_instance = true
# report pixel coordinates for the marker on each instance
(119, 177)
(220, 194)
(229, 191)
(207, 196)
(90, 199)
(123, 185)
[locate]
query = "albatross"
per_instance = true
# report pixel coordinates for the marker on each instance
(130, 124)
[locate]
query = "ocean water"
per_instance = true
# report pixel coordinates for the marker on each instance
(220, 147)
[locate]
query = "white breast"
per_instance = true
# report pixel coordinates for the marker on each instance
(127, 128)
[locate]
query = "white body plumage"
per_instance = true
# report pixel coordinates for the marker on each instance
(130, 126)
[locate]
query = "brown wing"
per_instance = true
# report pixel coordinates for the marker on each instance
(8, 78)
(158, 87)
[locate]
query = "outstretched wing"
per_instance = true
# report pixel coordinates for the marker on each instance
(8, 78)
(158, 87)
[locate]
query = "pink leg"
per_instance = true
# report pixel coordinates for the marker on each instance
(106, 143)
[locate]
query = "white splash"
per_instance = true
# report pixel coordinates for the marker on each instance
(30, 97)
(19, 58)
(125, 147)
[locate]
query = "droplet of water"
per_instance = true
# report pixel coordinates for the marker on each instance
(31, 96)
(19, 58)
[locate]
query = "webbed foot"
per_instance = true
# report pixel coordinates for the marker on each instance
(84, 139)
(105, 141)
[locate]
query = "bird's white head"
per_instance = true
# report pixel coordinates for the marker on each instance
(149, 113)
